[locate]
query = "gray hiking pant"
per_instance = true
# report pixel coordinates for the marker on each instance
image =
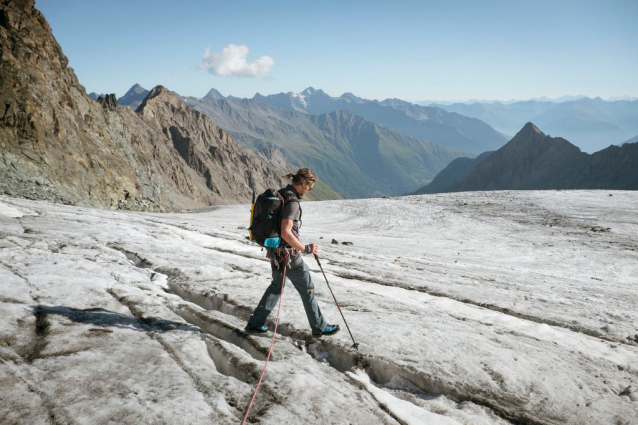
(299, 275)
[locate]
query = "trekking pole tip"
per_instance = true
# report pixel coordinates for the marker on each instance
(355, 345)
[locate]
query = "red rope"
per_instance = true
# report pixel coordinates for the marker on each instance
(272, 343)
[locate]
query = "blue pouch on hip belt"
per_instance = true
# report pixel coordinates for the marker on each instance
(272, 242)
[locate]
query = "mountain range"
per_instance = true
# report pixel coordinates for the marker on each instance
(533, 160)
(591, 124)
(59, 144)
(426, 123)
(355, 157)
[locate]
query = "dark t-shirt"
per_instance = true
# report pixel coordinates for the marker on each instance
(292, 209)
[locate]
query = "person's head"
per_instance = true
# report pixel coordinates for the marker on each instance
(303, 181)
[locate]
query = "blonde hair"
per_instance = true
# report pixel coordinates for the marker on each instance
(302, 174)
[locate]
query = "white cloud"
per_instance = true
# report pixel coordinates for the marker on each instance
(232, 62)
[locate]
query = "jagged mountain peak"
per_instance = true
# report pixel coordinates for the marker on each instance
(133, 97)
(350, 97)
(213, 94)
(529, 129)
(135, 89)
(531, 137)
(309, 90)
(160, 93)
(312, 91)
(158, 90)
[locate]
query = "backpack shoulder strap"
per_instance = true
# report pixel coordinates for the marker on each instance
(291, 197)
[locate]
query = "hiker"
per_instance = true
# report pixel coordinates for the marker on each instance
(290, 252)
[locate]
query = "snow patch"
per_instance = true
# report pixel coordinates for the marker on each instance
(14, 212)
(404, 411)
(300, 98)
(160, 280)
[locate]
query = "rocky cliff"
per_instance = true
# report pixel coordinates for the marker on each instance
(60, 145)
(230, 171)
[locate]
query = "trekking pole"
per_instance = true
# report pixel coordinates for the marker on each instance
(356, 344)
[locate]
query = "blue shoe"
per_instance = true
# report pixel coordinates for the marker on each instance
(329, 330)
(255, 330)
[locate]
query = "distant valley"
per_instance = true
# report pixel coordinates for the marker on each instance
(355, 157)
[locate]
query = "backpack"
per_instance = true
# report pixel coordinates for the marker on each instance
(265, 219)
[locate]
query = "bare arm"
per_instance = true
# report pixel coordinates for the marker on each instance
(288, 236)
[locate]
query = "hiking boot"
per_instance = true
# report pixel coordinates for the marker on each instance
(255, 330)
(329, 330)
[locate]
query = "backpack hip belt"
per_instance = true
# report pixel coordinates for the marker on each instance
(280, 256)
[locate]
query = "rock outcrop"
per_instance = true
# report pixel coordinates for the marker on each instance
(533, 160)
(108, 102)
(58, 144)
(230, 171)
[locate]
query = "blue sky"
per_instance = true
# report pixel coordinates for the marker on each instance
(412, 50)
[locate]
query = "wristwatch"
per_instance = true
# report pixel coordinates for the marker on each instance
(307, 250)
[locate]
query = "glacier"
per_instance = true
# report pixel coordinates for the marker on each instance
(470, 308)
